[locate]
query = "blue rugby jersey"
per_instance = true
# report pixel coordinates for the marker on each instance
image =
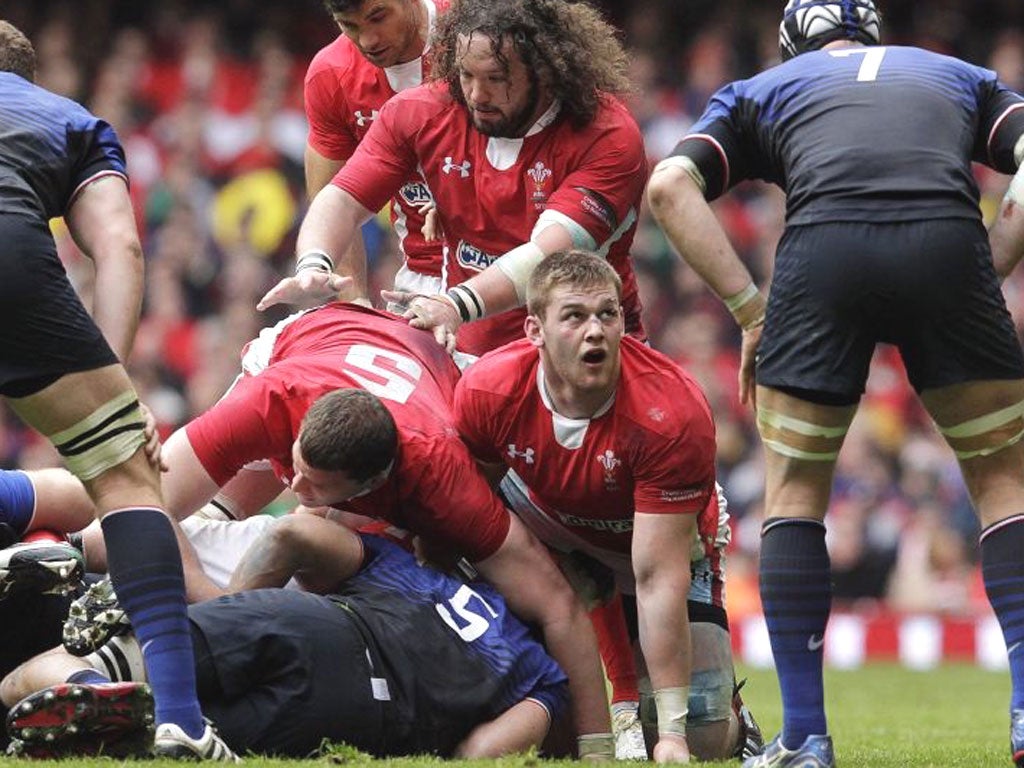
(463, 656)
(875, 134)
(50, 147)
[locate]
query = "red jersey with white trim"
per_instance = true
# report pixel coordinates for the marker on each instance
(651, 450)
(344, 94)
(490, 191)
(434, 487)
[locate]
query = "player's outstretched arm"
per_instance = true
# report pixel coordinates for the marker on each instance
(102, 223)
(692, 228)
(517, 729)
(661, 564)
(319, 170)
(500, 287)
(61, 501)
(187, 486)
(326, 266)
(537, 592)
(318, 552)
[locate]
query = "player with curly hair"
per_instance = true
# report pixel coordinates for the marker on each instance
(526, 150)
(569, 48)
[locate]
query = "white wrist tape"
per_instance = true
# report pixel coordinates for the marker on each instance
(596, 746)
(682, 161)
(518, 264)
(673, 706)
(314, 259)
(740, 299)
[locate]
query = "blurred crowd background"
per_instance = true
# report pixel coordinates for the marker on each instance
(207, 99)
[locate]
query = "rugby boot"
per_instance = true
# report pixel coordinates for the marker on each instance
(815, 752)
(172, 742)
(114, 719)
(629, 734)
(41, 567)
(1017, 736)
(751, 740)
(93, 619)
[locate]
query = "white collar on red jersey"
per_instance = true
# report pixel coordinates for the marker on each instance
(401, 77)
(568, 432)
(547, 118)
(502, 153)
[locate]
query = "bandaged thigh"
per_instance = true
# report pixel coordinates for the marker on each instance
(987, 434)
(107, 437)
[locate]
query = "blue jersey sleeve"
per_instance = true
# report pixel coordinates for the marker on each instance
(96, 149)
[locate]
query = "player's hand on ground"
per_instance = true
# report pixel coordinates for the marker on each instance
(748, 357)
(153, 447)
(309, 287)
(431, 313)
(671, 749)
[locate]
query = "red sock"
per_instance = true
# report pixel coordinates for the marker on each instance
(616, 650)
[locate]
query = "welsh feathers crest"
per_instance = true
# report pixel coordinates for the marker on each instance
(539, 173)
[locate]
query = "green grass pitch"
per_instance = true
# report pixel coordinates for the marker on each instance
(882, 716)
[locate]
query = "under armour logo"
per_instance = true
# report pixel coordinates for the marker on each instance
(462, 168)
(526, 455)
(362, 120)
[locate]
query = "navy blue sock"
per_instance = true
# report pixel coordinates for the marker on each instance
(145, 568)
(1002, 568)
(796, 594)
(17, 500)
(88, 677)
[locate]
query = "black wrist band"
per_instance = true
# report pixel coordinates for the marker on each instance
(460, 304)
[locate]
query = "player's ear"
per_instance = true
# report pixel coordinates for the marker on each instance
(532, 329)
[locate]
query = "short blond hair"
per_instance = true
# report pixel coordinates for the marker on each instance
(574, 268)
(16, 52)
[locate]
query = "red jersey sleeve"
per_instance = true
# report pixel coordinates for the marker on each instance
(326, 106)
(453, 501)
(249, 423)
(677, 476)
(474, 412)
(384, 159)
(603, 193)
